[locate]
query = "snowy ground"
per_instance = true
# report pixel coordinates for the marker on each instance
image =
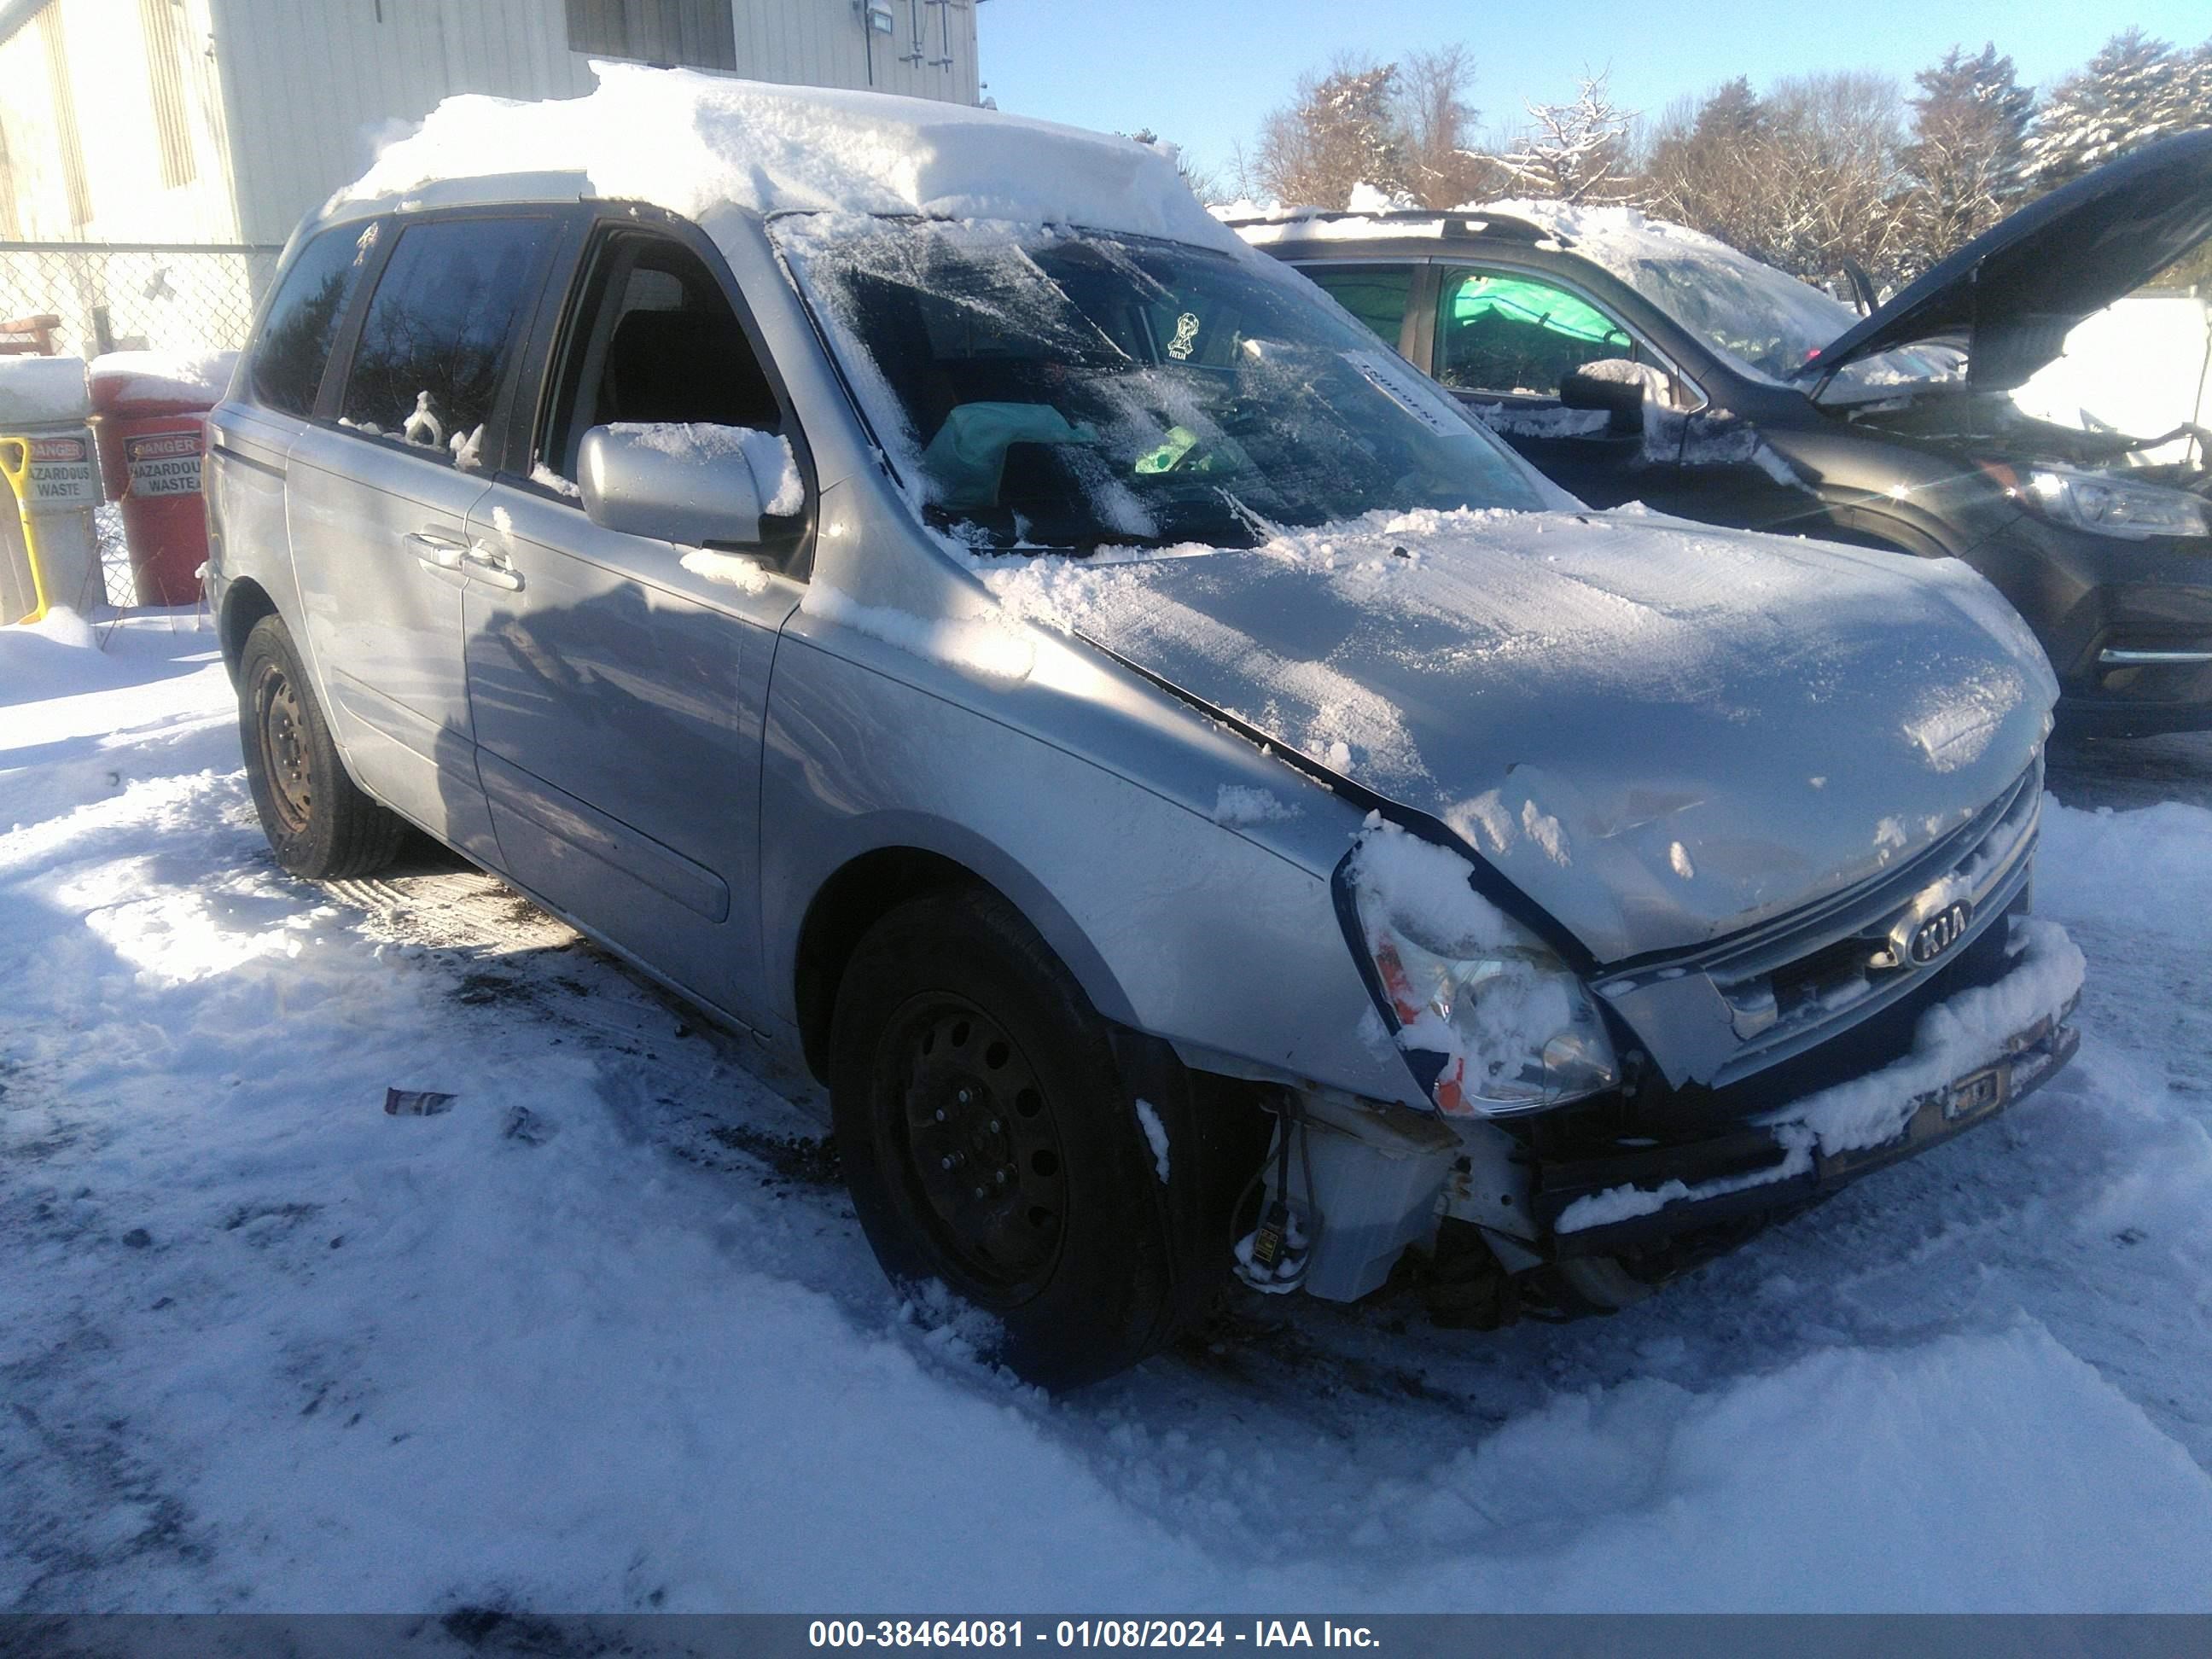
(605, 1336)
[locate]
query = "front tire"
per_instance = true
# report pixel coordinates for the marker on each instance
(318, 822)
(991, 1141)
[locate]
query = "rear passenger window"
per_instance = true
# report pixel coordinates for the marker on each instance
(440, 332)
(1374, 293)
(303, 319)
(1501, 332)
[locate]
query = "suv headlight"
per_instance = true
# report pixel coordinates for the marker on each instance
(2104, 505)
(1489, 1017)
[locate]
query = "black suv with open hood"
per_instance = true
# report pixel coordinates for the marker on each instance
(1633, 360)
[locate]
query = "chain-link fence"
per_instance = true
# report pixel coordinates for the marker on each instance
(81, 299)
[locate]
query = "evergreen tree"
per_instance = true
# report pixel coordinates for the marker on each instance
(1967, 160)
(1731, 114)
(2134, 90)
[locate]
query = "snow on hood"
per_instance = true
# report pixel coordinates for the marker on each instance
(690, 142)
(1662, 733)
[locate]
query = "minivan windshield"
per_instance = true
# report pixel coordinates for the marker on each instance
(1051, 389)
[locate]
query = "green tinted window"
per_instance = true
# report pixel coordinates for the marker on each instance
(1516, 334)
(1374, 293)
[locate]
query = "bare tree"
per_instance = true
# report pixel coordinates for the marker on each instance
(1444, 166)
(1835, 144)
(1576, 151)
(1806, 178)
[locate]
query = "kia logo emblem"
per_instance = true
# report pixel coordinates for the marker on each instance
(1941, 932)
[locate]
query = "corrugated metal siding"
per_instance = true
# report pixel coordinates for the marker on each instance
(309, 89)
(110, 136)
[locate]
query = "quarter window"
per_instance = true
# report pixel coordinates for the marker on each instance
(1518, 335)
(303, 319)
(439, 332)
(1374, 293)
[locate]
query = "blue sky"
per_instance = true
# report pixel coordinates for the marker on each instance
(1203, 72)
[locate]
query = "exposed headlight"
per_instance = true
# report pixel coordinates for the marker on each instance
(2107, 506)
(1489, 1017)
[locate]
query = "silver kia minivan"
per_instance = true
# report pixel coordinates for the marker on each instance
(909, 581)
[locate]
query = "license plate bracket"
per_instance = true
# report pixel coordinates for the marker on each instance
(1977, 1094)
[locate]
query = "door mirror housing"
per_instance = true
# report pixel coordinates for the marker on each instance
(693, 484)
(1619, 393)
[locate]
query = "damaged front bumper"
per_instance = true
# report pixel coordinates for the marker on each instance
(1625, 1199)
(1656, 1182)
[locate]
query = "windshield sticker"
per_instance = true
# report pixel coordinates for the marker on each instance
(1186, 337)
(1395, 381)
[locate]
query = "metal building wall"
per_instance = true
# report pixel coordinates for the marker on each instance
(311, 85)
(81, 126)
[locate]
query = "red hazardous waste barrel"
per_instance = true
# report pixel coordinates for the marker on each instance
(150, 412)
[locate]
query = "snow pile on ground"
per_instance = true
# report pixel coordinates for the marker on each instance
(605, 1335)
(57, 655)
(188, 377)
(692, 142)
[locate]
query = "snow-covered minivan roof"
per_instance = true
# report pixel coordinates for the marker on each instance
(692, 144)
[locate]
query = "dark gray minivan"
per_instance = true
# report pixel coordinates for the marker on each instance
(908, 581)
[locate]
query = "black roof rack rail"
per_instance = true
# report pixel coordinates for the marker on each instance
(1457, 220)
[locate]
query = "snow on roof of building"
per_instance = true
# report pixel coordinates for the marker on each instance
(691, 143)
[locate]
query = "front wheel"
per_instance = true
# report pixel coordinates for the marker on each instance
(318, 822)
(991, 1141)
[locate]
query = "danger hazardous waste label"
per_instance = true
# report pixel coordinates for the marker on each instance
(163, 464)
(60, 474)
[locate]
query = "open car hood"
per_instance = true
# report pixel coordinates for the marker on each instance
(1659, 732)
(2010, 296)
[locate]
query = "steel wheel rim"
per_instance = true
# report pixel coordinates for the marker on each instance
(281, 727)
(980, 1150)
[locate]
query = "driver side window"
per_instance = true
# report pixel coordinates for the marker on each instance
(1518, 336)
(653, 341)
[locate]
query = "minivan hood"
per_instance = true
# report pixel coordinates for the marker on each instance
(2010, 295)
(1660, 733)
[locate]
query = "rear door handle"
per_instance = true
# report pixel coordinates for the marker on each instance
(486, 566)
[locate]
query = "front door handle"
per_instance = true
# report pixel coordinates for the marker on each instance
(486, 566)
(437, 553)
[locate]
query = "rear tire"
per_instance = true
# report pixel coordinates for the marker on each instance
(318, 822)
(992, 1142)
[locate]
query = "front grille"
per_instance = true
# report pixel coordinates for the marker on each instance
(1799, 981)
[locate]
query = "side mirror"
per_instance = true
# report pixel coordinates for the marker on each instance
(693, 484)
(1615, 386)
